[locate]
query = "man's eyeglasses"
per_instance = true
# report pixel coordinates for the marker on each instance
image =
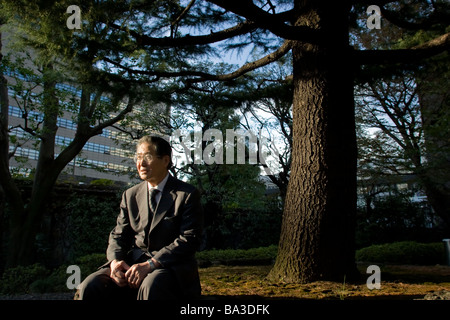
(146, 156)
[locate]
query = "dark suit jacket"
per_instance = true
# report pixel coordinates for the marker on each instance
(171, 237)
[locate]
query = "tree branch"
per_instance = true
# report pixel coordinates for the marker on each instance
(373, 2)
(434, 18)
(158, 74)
(83, 135)
(188, 40)
(416, 53)
(274, 56)
(275, 23)
(203, 76)
(115, 119)
(182, 14)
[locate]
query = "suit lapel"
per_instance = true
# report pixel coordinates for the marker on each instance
(142, 202)
(168, 197)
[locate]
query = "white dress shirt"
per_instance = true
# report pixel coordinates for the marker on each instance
(160, 187)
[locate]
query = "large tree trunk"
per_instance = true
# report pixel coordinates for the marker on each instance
(10, 191)
(317, 236)
(26, 221)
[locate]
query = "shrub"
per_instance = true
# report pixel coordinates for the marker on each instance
(19, 279)
(238, 256)
(91, 221)
(394, 218)
(102, 182)
(90, 263)
(36, 278)
(242, 228)
(56, 281)
(405, 252)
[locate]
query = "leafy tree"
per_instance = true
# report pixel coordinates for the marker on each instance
(92, 114)
(273, 98)
(226, 187)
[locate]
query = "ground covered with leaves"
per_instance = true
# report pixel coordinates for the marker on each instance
(398, 282)
(406, 282)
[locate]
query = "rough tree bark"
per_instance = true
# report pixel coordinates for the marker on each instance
(317, 230)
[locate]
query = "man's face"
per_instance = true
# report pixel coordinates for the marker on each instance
(153, 171)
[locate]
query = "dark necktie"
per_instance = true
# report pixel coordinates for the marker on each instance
(153, 193)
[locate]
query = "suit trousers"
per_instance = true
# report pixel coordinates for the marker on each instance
(161, 284)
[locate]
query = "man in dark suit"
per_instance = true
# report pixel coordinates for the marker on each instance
(151, 251)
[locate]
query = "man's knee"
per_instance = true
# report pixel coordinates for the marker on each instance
(95, 286)
(161, 284)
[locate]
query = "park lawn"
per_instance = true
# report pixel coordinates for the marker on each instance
(397, 282)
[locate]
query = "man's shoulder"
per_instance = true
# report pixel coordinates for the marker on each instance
(135, 188)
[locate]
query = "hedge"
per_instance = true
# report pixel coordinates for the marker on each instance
(404, 252)
(255, 256)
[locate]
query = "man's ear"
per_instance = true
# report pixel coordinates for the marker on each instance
(166, 160)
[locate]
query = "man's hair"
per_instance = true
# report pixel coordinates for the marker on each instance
(162, 147)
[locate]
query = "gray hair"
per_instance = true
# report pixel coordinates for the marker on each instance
(162, 146)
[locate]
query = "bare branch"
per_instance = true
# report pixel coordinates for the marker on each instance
(182, 14)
